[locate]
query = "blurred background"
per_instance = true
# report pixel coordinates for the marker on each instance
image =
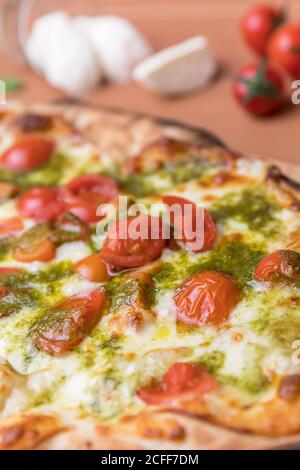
(164, 23)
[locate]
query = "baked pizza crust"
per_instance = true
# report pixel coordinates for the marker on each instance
(188, 425)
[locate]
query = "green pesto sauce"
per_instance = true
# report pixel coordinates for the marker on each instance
(212, 361)
(147, 183)
(233, 257)
(124, 292)
(5, 246)
(33, 290)
(49, 174)
(251, 207)
(281, 324)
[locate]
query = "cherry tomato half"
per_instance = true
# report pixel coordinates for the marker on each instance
(27, 153)
(284, 49)
(85, 193)
(124, 247)
(259, 89)
(206, 298)
(180, 380)
(34, 245)
(92, 268)
(40, 203)
(10, 226)
(187, 220)
(282, 265)
(258, 24)
(69, 322)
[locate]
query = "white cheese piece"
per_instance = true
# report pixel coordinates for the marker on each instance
(178, 69)
(63, 54)
(118, 44)
(73, 251)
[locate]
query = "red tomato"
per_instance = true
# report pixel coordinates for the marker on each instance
(125, 249)
(42, 250)
(206, 298)
(85, 193)
(10, 226)
(258, 24)
(181, 379)
(27, 153)
(284, 49)
(69, 322)
(188, 220)
(40, 203)
(283, 265)
(259, 89)
(34, 245)
(92, 268)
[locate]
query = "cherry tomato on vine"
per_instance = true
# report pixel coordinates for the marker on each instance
(259, 89)
(258, 25)
(284, 49)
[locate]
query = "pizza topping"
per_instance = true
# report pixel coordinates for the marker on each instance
(181, 379)
(281, 266)
(188, 220)
(92, 268)
(28, 153)
(206, 298)
(133, 242)
(34, 245)
(10, 226)
(40, 203)
(68, 228)
(85, 193)
(30, 122)
(8, 190)
(69, 322)
(289, 388)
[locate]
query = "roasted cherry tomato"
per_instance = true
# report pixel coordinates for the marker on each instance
(259, 89)
(27, 153)
(68, 228)
(186, 223)
(284, 49)
(10, 226)
(133, 242)
(34, 245)
(259, 23)
(282, 265)
(85, 193)
(206, 298)
(8, 190)
(69, 322)
(92, 268)
(181, 379)
(40, 203)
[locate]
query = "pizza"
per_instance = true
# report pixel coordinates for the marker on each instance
(133, 342)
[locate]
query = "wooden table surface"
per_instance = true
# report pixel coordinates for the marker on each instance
(166, 22)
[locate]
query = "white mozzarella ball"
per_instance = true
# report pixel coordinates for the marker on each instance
(63, 54)
(119, 45)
